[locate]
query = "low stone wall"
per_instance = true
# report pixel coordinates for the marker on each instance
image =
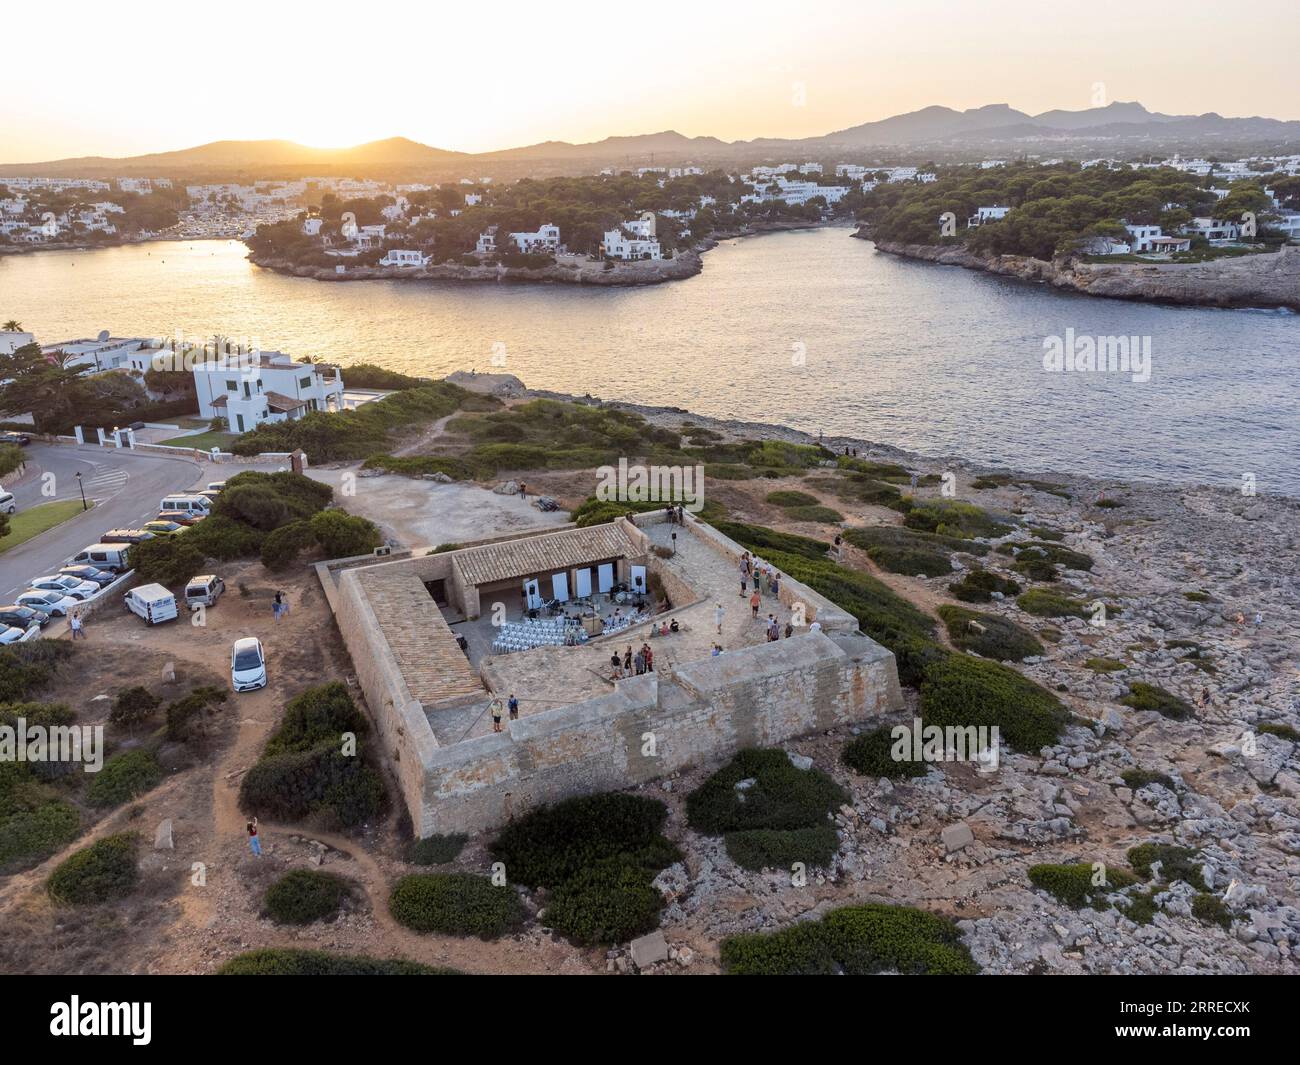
(649, 727)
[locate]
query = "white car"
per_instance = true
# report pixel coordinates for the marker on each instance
(248, 665)
(55, 603)
(16, 635)
(62, 582)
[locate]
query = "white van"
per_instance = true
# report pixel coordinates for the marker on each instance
(152, 602)
(194, 505)
(112, 557)
(7, 502)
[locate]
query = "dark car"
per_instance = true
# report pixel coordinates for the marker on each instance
(89, 573)
(23, 617)
(125, 536)
(21, 439)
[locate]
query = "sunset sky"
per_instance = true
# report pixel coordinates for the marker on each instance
(155, 77)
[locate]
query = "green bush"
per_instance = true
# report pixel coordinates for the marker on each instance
(455, 904)
(548, 845)
(285, 961)
(1034, 568)
(1209, 909)
(782, 796)
(1177, 863)
(1144, 696)
(953, 517)
(763, 540)
(1104, 665)
(343, 535)
(910, 561)
(1140, 778)
(871, 754)
(282, 546)
(978, 585)
(104, 870)
(1062, 556)
(792, 499)
(34, 821)
(610, 901)
(25, 667)
(818, 514)
(306, 895)
(419, 465)
(436, 849)
(1284, 732)
(265, 501)
(131, 706)
(962, 691)
(1045, 603)
(895, 536)
(1000, 639)
(768, 848)
(186, 712)
(1073, 884)
(124, 777)
(855, 940)
(168, 561)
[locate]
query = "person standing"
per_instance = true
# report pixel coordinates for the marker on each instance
(744, 574)
(627, 660)
(639, 662)
(755, 601)
(513, 706)
(278, 608)
(649, 658)
(495, 707)
(616, 664)
(718, 613)
(254, 840)
(74, 623)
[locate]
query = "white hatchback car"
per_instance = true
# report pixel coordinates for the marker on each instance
(55, 603)
(68, 585)
(248, 665)
(16, 635)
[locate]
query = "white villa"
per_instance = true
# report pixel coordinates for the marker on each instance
(1169, 245)
(987, 214)
(487, 241)
(311, 227)
(546, 239)
(618, 245)
(268, 387)
(1142, 236)
(1212, 229)
(402, 257)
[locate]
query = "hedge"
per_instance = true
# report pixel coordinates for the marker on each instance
(978, 585)
(963, 691)
(285, 961)
(1073, 884)
(456, 904)
(996, 637)
(953, 517)
(766, 848)
(817, 514)
(1176, 863)
(1144, 696)
(610, 901)
(124, 777)
(1048, 604)
(782, 797)
(871, 754)
(306, 895)
(855, 940)
(34, 821)
(104, 870)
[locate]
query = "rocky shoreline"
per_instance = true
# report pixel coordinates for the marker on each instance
(1250, 281)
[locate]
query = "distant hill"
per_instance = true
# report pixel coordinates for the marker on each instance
(992, 129)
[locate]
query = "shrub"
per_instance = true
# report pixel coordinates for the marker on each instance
(1034, 568)
(767, 848)
(342, 535)
(285, 961)
(953, 517)
(124, 777)
(28, 666)
(1104, 665)
(1062, 556)
(167, 560)
(419, 465)
(265, 501)
(455, 904)
(978, 585)
(1144, 696)
(282, 546)
(910, 561)
(34, 821)
(436, 849)
(610, 901)
(1140, 778)
(791, 499)
(855, 940)
(871, 754)
(1073, 884)
(1209, 909)
(963, 691)
(763, 540)
(133, 705)
(104, 870)
(1045, 603)
(821, 515)
(894, 536)
(781, 797)
(183, 714)
(1176, 863)
(1285, 732)
(552, 843)
(305, 895)
(995, 637)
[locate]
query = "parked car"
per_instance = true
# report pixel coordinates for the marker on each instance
(114, 557)
(23, 617)
(248, 664)
(90, 573)
(216, 486)
(16, 635)
(204, 590)
(191, 504)
(20, 439)
(56, 603)
(7, 503)
(209, 495)
(158, 527)
(180, 517)
(61, 582)
(126, 536)
(152, 602)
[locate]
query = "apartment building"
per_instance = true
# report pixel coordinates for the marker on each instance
(249, 390)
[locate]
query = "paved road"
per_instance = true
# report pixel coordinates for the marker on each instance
(126, 488)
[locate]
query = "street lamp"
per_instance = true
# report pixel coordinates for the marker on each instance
(84, 504)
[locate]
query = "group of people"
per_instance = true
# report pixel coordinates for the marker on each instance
(633, 665)
(495, 708)
(765, 578)
(676, 515)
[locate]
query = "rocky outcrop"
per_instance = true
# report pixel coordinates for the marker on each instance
(1263, 280)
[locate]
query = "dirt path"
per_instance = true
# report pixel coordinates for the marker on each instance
(425, 438)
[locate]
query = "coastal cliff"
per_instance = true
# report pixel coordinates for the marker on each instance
(1263, 280)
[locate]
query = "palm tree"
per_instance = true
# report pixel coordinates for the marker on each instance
(13, 326)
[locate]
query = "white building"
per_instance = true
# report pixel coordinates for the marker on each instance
(11, 342)
(1142, 236)
(545, 240)
(1169, 245)
(619, 245)
(487, 241)
(311, 227)
(473, 199)
(1213, 229)
(402, 257)
(111, 353)
(987, 214)
(268, 387)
